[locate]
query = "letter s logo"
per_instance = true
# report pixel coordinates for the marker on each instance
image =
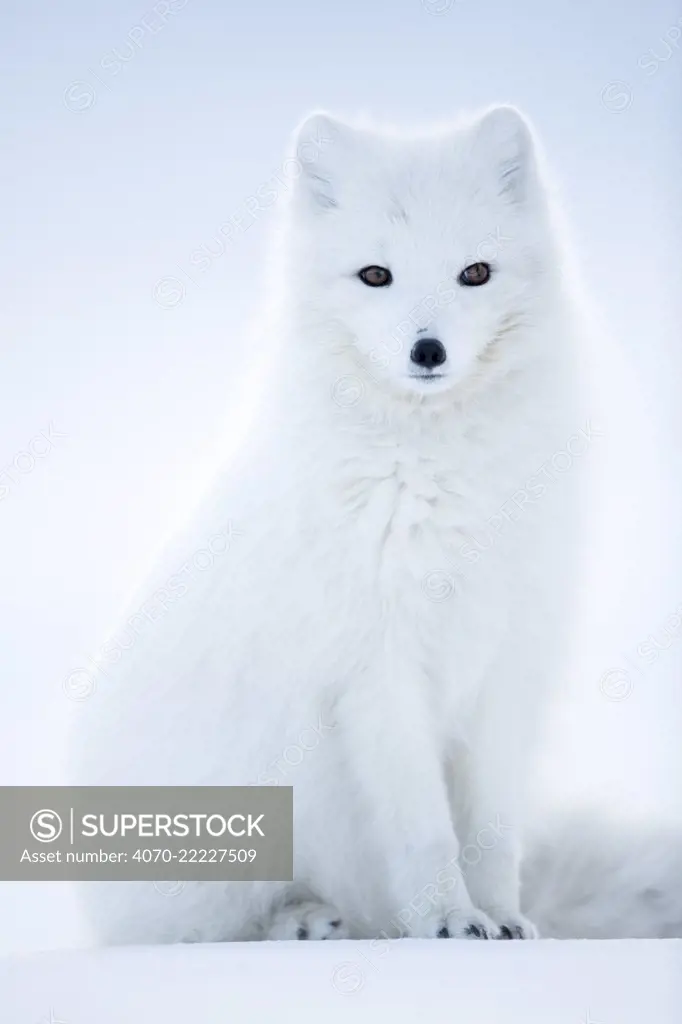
(46, 826)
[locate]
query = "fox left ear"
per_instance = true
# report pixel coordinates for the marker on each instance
(505, 140)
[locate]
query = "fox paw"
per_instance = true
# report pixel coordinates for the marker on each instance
(310, 920)
(518, 927)
(457, 924)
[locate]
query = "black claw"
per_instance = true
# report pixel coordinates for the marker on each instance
(513, 932)
(302, 933)
(477, 930)
(443, 933)
(335, 924)
(505, 932)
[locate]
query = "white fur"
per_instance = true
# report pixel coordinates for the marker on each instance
(590, 878)
(367, 604)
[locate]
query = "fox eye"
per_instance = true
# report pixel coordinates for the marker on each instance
(475, 274)
(375, 277)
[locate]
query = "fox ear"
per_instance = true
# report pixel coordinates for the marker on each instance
(504, 140)
(320, 143)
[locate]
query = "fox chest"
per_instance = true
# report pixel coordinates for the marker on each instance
(419, 607)
(410, 551)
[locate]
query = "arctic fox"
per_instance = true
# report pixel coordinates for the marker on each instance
(397, 588)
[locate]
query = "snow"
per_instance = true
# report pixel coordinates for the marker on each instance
(545, 982)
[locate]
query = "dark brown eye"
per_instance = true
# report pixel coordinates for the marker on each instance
(375, 277)
(477, 273)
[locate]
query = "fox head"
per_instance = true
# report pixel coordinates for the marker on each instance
(421, 257)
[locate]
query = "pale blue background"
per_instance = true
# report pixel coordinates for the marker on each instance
(103, 201)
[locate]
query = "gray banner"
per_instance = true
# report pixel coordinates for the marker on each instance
(146, 833)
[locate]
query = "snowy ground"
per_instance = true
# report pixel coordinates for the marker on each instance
(628, 982)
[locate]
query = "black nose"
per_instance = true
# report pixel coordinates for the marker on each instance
(428, 353)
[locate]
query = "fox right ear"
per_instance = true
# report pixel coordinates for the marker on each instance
(313, 140)
(505, 140)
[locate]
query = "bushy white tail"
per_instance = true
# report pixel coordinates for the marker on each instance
(593, 879)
